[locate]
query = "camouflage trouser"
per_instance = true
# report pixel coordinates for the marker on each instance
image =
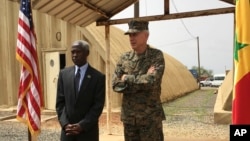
(148, 132)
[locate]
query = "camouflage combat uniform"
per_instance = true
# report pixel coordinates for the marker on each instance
(141, 104)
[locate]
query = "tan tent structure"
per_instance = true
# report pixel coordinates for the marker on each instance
(223, 103)
(54, 37)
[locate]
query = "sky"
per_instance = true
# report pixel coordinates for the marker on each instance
(180, 38)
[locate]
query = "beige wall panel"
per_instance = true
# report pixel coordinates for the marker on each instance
(3, 25)
(9, 65)
(56, 32)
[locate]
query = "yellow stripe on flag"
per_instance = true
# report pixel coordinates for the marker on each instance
(242, 54)
(242, 11)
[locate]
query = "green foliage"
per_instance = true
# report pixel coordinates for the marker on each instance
(203, 72)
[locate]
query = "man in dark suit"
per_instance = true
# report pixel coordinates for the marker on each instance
(80, 97)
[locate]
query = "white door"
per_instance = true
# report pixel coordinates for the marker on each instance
(52, 67)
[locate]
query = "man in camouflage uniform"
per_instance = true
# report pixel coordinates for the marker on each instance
(138, 75)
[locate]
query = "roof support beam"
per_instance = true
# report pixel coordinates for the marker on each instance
(137, 9)
(229, 1)
(166, 7)
(171, 16)
(92, 7)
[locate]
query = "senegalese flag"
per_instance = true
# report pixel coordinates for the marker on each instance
(241, 92)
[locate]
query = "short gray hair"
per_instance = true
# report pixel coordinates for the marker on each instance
(81, 44)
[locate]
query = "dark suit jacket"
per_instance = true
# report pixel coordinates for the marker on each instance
(83, 107)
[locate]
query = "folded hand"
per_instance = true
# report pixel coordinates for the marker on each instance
(73, 129)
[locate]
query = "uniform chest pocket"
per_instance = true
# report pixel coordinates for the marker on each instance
(130, 66)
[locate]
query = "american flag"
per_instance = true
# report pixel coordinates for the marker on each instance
(30, 92)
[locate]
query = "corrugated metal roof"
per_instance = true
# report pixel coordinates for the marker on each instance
(85, 12)
(81, 12)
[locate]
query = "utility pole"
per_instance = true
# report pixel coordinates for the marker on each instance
(199, 70)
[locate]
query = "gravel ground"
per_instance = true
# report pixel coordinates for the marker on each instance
(190, 116)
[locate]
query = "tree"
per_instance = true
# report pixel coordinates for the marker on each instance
(204, 73)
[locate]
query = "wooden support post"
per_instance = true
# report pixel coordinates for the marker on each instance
(108, 76)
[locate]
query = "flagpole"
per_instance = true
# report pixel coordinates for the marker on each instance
(29, 135)
(199, 70)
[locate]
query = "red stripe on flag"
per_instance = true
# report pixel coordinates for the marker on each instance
(241, 101)
(30, 92)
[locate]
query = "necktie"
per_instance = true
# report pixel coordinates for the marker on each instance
(77, 79)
